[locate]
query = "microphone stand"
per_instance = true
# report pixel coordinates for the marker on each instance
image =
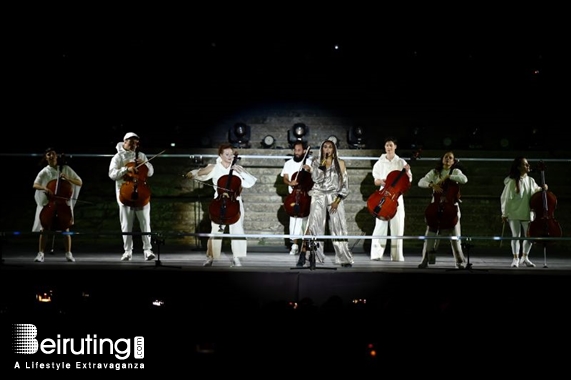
(158, 240)
(313, 245)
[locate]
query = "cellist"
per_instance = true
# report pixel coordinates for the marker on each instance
(223, 167)
(442, 180)
(292, 171)
(53, 170)
(124, 165)
(515, 199)
(387, 163)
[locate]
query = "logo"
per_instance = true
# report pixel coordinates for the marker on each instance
(25, 342)
(24, 338)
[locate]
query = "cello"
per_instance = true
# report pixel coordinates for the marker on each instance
(135, 191)
(225, 208)
(298, 202)
(543, 204)
(442, 212)
(57, 215)
(383, 204)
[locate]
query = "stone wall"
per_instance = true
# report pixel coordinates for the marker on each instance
(180, 206)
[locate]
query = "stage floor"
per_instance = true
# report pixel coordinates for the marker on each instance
(277, 259)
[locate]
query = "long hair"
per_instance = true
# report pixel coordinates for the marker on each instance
(515, 173)
(335, 160)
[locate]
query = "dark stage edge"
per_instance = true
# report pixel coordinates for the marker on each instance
(272, 311)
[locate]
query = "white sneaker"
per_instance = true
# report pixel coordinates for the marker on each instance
(69, 257)
(149, 255)
(126, 256)
(526, 261)
(40, 257)
(515, 263)
(294, 249)
(208, 262)
(236, 262)
(460, 265)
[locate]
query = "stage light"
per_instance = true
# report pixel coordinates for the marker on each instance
(239, 135)
(197, 161)
(355, 137)
(44, 296)
(158, 303)
(298, 131)
(268, 142)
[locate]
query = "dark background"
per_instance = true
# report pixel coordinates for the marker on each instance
(98, 72)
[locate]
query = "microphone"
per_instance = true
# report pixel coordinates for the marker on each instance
(323, 162)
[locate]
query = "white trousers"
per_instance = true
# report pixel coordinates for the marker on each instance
(127, 216)
(297, 226)
(456, 244)
(395, 227)
(517, 226)
(239, 245)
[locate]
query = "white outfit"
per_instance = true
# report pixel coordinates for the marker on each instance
(44, 177)
(395, 226)
(117, 169)
(239, 245)
(296, 224)
(434, 177)
(515, 206)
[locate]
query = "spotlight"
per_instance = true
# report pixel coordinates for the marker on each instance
(197, 160)
(355, 137)
(298, 131)
(44, 296)
(239, 135)
(268, 142)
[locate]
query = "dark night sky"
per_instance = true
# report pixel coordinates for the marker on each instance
(138, 68)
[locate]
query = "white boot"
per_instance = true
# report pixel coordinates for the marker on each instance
(525, 260)
(294, 249)
(424, 263)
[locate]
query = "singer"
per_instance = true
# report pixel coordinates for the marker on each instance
(330, 187)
